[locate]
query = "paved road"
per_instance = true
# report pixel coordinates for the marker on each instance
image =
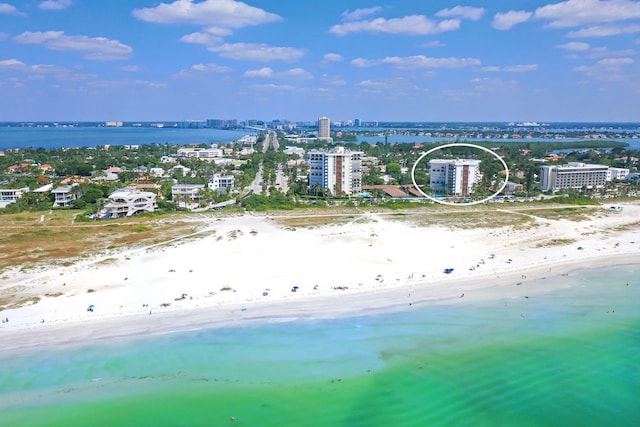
(256, 185)
(281, 180)
(270, 139)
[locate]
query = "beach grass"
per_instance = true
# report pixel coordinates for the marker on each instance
(467, 219)
(554, 242)
(28, 240)
(565, 213)
(316, 220)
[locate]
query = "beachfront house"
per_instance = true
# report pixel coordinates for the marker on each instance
(221, 182)
(65, 195)
(10, 195)
(187, 195)
(127, 202)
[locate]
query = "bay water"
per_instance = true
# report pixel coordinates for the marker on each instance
(566, 357)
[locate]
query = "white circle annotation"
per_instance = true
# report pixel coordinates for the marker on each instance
(440, 147)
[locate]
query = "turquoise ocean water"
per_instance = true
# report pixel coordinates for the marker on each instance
(569, 357)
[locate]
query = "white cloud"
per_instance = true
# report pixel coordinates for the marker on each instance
(257, 52)
(615, 61)
(417, 61)
(574, 46)
(413, 25)
(376, 84)
(607, 69)
(292, 74)
(295, 73)
(12, 64)
(114, 84)
(201, 38)
(272, 86)
(494, 86)
(574, 13)
(201, 68)
(216, 14)
(604, 31)
(262, 72)
(12, 83)
(39, 70)
(94, 48)
(10, 9)
(360, 13)
(466, 12)
(585, 50)
(55, 4)
(600, 52)
(333, 80)
(211, 68)
(434, 43)
(504, 21)
(511, 68)
(333, 57)
(131, 68)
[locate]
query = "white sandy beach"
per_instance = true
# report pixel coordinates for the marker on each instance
(245, 267)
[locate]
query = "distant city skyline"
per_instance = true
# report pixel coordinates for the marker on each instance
(450, 61)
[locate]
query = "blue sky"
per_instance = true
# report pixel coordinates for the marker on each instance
(408, 60)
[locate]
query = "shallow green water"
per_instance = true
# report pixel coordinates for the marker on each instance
(567, 358)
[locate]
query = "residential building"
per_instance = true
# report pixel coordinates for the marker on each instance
(573, 175)
(200, 153)
(75, 179)
(221, 182)
(65, 195)
(338, 170)
(454, 177)
(179, 169)
(294, 150)
(614, 174)
(185, 194)
(168, 159)
(324, 131)
(156, 171)
(127, 202)
(10, 195)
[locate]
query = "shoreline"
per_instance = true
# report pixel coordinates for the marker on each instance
(244, 270)
(319, 307)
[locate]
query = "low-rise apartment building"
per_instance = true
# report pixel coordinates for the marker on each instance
(573, 175)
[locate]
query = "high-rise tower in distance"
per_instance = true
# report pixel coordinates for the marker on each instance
(323, 128)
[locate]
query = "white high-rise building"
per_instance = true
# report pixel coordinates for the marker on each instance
(572, 176)
(454, 177)
(338, 170)
(324, 131)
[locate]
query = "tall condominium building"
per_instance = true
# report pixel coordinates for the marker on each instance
(323, 128)
(572, 176)
(338, 170)
(454, 177)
